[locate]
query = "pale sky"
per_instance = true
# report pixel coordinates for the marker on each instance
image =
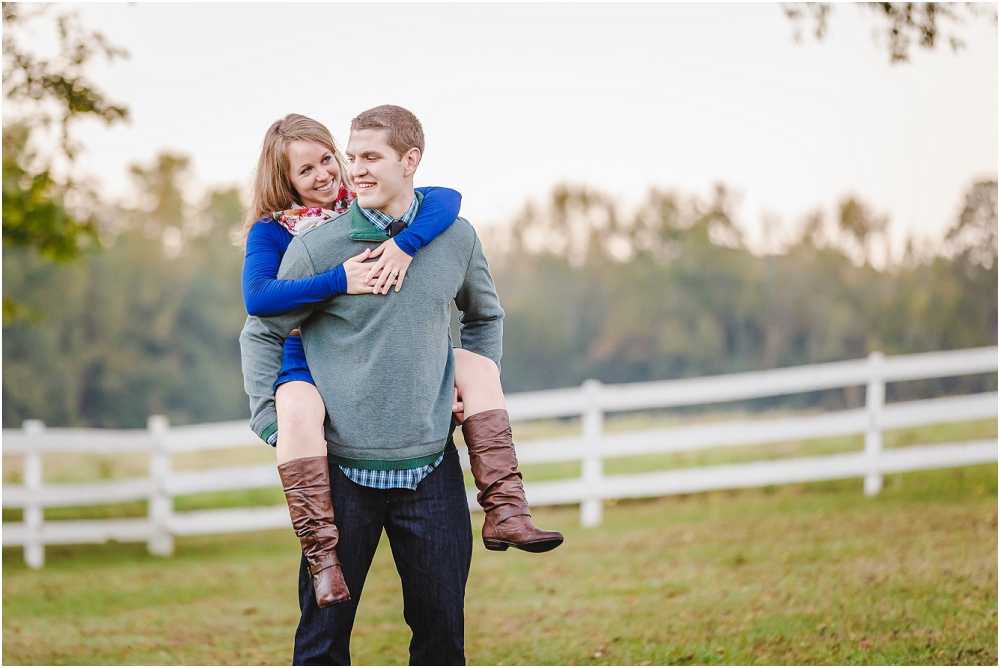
(517, 98)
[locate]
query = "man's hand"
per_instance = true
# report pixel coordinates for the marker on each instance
(458, 408)
(356, 269)
(390, 267)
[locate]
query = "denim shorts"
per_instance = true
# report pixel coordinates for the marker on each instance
(293, 363)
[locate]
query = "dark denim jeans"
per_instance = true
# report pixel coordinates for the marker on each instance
(430, 533)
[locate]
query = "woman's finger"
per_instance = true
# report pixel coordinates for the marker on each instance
(380, 281)
(392, 275)
(399, 279)
(387, 278)
(379, 264)
(376, 267)
(362, 256)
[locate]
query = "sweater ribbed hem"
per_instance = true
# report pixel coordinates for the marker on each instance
(384, 465)
(268, 431)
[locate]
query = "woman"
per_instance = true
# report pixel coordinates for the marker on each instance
(301, 167)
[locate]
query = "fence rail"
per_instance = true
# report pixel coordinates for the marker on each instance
(591, 401)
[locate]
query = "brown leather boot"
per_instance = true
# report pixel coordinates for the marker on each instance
(307, 489)
(501, 494)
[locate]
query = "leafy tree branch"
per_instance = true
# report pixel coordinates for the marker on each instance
(43, 94)
(900, 23)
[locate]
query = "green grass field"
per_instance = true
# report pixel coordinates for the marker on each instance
(801, 574)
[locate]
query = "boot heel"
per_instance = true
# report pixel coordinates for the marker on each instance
(495, 545)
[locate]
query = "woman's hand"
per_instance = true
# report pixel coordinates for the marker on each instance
(356, 269)
(390, 267)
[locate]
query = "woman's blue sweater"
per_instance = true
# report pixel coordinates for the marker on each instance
(265, 295)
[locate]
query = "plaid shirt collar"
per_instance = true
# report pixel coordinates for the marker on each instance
(383, 220)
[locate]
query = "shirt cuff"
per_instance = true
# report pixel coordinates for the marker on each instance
(270, 434)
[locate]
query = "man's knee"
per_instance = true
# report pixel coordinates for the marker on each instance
(438, 627)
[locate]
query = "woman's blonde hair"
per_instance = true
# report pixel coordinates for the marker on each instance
(272, 188)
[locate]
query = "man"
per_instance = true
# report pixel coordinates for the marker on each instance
(384, 367)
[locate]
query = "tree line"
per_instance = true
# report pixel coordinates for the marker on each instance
(671, 290)
(150, 324)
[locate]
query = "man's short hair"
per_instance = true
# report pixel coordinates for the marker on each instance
(405, 131)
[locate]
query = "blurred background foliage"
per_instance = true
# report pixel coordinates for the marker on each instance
(898, 25)
(113, 312)
(151, 324)
(671, 292)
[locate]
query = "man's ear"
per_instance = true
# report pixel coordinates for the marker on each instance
(410, 160)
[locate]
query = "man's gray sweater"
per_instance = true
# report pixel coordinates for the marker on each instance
(382, 363)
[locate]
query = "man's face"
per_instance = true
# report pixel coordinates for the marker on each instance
(381, 176)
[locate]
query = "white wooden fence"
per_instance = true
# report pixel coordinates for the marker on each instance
(591, 401)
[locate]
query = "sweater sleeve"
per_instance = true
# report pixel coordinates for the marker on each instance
(438, 211)
(261, 346)
(263, 293)
(481, 316)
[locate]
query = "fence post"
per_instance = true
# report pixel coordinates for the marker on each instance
(34, 516)
(592, 506)
(874, 400)
(161, 504)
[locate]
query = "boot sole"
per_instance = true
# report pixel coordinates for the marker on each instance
(535, 547)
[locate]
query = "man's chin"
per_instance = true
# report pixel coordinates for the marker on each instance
(366, 202)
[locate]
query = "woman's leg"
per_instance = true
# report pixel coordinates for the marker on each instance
(305, 476)
(301, 414)
(486, 427)
(478, 381)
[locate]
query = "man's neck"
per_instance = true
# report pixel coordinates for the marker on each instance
(399, 205)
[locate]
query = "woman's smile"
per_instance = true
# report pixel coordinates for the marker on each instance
(314, 173)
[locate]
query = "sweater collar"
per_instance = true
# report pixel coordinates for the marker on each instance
(362, 229)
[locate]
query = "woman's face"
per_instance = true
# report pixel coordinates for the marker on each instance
(314, 173)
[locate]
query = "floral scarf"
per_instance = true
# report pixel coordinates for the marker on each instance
(303, 219)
